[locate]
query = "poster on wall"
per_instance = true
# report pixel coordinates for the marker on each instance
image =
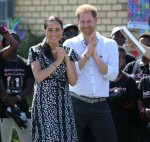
(139, 14)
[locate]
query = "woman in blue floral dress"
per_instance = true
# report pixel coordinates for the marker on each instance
(54, 69)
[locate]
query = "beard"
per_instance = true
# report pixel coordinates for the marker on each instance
(87, 30)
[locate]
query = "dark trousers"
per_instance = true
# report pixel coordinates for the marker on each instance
(97, 117)
(121, 117)
(89, 136)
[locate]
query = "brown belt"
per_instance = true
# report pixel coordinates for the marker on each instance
(87, 99)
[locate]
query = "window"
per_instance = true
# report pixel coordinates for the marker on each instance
(6, 10)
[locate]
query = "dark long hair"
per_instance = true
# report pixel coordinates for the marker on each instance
(52, 18)
(45, 46)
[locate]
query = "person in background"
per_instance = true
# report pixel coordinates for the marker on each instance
(70, 31)
(121, 41)
(139, 69)
(53, 69)
(147, 49)
(16, 83)
(12, 46)
(144, 108)
(5, 52)
(121, 105)
(147, 53)
(97, 66)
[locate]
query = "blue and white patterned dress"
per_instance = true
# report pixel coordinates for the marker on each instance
(52, 112)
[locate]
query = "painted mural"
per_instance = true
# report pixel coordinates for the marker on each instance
(139, 15)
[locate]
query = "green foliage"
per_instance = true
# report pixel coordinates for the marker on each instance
(29, 40)
(14, 136)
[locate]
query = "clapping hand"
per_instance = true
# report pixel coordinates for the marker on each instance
(91, 46)
(61, 53)
(3, 30)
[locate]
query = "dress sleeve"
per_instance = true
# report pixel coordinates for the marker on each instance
(33, 55)
(72, 54)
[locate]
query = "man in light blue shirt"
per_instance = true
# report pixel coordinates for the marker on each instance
(97, 66)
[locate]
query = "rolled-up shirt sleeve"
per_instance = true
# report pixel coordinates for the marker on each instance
(112, 62)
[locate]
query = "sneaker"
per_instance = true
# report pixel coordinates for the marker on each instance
(18, 116)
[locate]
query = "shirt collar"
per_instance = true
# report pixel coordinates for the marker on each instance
(99, 38)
